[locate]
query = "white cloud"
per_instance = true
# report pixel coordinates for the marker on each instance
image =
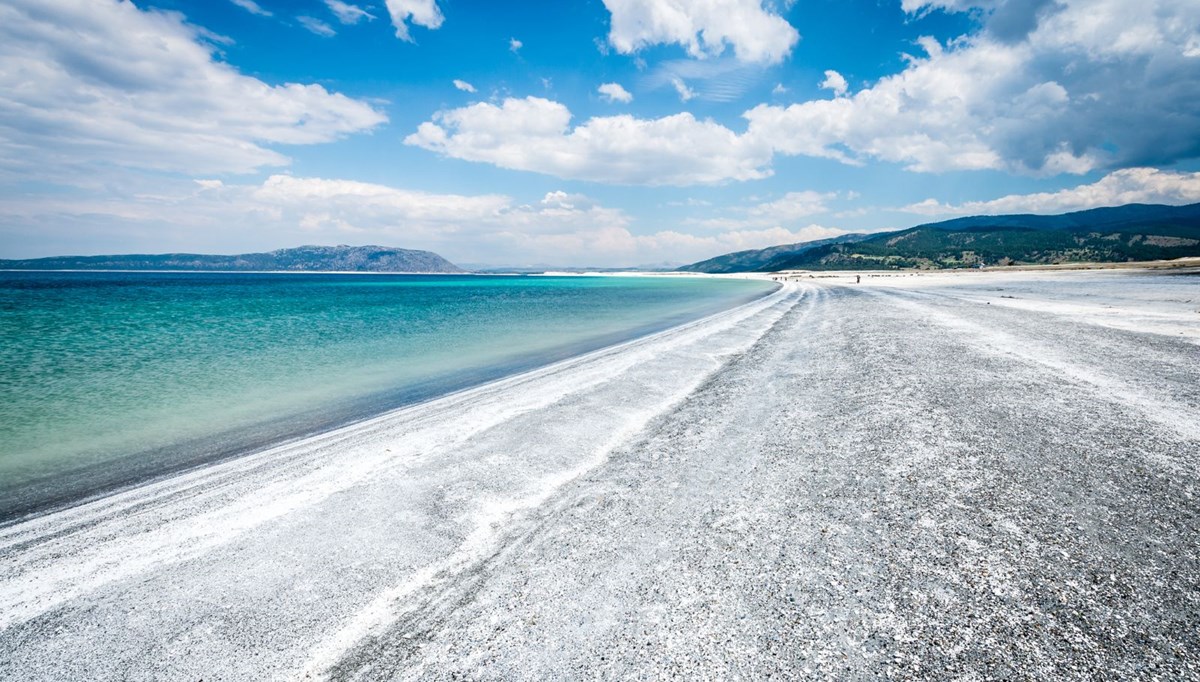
(778, 89)
(613, 92)
(561, 199)
(101, 82)
(212, 216)
(514, 45)
(463, 85)
(691, 247)
(789, 209)
(347, 13)
(208, 215)
(251, 7)
(1128, 186)
(316, 26)
(792, 206)
(1090, 85)
(419, 12)
(703, 27)
(685, 93)
(361, 201)
(835, 82)
(1060, 87)
(534, 134)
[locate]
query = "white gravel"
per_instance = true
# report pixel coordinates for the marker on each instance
(907, 478)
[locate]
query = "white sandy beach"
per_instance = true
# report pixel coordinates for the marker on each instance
(968, 475)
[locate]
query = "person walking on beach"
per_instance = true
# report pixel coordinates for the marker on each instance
(857, 279)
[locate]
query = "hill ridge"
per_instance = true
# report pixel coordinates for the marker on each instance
(1108, 234)
(308, 258)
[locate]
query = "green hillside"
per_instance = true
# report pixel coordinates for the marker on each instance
(934, 248)
(1135, 232)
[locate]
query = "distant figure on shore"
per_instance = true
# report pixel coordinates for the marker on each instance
(857, 279)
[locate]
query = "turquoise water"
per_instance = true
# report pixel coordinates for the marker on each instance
(108, 378)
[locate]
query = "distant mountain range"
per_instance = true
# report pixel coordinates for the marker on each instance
(1124, 233)
(300, 259)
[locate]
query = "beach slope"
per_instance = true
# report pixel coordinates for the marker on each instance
(976, 476)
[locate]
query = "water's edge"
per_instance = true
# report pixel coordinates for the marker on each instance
(89, 483)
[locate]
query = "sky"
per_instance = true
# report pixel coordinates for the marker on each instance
(606, 133)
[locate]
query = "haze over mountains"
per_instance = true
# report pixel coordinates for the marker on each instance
(760, 260)
(1123, 233)
(1132, 232)
(301, 259)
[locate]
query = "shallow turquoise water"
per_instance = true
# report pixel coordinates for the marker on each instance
(106, 378)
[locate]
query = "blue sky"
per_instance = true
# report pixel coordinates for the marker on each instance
(602, 132)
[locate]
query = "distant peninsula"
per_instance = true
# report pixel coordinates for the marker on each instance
(301, 259)
(1135, 232)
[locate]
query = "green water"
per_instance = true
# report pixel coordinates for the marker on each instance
(107, 378)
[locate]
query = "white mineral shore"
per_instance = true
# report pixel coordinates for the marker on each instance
(969, 476)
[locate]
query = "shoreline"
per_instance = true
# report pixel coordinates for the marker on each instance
(84, 483)
(845, 480)
(233, 490)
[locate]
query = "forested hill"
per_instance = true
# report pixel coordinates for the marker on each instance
(1125, 233)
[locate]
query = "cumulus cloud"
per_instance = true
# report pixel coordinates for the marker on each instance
(417, 12)
(514, 45)
(835, 82)
(1127, 186)
(703, 27)
(103, 82)
(362, 203)
(251, 7)
(463, 85)
(347, 13)
(535, 134)
(613, 92)
(290, 210)
(1089, 87)
(1102, 83)
(213, 216)
(1105, 84)
(316, 26)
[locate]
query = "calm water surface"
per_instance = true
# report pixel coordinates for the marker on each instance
(110, 378)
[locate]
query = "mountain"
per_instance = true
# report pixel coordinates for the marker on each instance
(1124, 233)
(1129, 215)
(759, 260)
(301, 259)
